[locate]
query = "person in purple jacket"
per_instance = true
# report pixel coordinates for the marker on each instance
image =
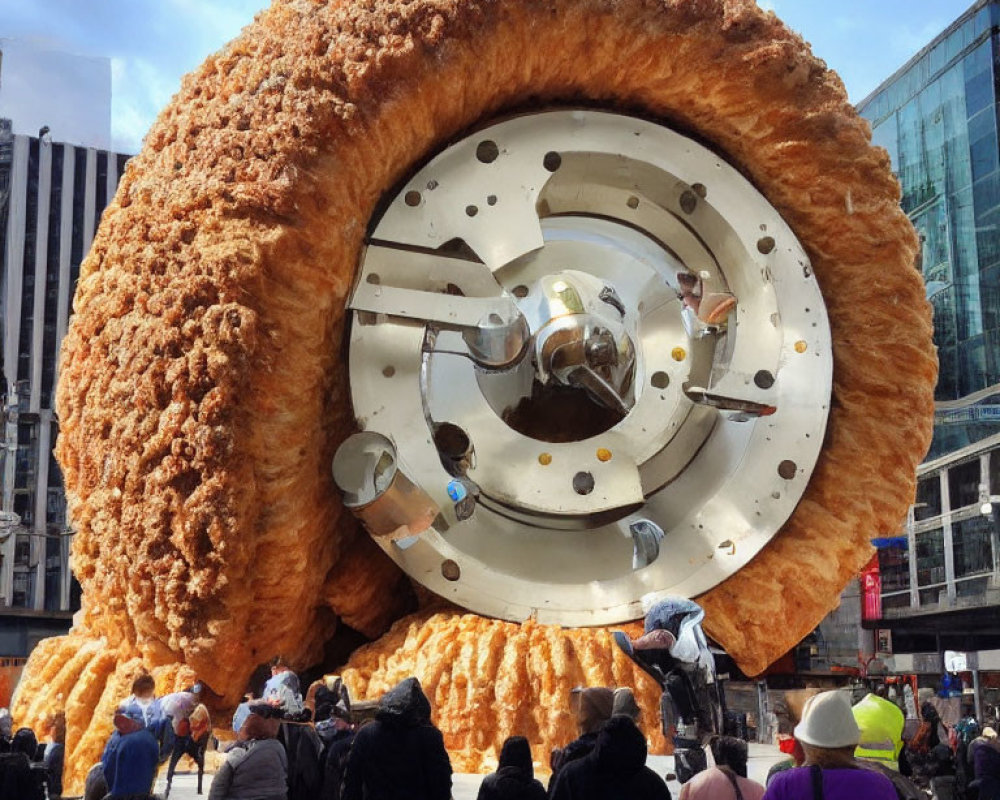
(829, 734)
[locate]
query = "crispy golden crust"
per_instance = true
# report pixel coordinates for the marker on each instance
(203, 393)
(488, 680)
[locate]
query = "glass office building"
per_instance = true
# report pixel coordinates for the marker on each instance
(51, 198)
(937, 118)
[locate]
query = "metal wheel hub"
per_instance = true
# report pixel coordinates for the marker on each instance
(591, 366)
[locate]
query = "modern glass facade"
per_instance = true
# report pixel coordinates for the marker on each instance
(937, 118)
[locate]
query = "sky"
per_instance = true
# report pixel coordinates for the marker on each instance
(153, 43)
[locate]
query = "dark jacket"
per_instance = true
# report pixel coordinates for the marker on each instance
(337, 741)
(400, 755)
(615, 769)
(17, 779)
(305, 767)
(515, 778)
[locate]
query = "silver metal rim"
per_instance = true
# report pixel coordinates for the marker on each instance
(714, 451)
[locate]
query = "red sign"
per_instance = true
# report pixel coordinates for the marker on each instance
(871, 591)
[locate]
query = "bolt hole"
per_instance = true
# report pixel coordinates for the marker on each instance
(412, 198)
(552, 161)
(583, 483)
(487, 151)
(451, 440)
(689, 201)
(389, 371)
(700, 190)
(787, 469)
(471, 210)
(495, 319)
(764, 379)
(520, 291)
(450, 570)
(632, 202)
(660, 380)
(765, 244)
(491, 200)
(432, 185)
(374, 279)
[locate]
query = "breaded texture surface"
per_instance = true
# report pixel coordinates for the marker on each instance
(487, 680)
(203, 388)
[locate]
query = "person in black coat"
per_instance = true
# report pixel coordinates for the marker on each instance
(615, 768)
(515, 777)
(594, 707)
(400, 755)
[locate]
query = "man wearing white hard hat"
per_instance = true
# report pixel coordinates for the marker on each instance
(829, 734)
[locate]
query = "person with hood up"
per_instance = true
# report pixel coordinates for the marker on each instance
(400, 755)
(616, 767)
(829, 735)
(594, 706)
(256, 768)
(515, 776)
(727, 780)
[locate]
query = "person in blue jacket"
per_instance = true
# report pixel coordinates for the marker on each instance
(131, 757)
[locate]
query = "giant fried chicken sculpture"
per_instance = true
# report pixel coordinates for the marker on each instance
(203, 393)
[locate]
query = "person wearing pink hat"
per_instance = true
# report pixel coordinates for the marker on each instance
(829, 735)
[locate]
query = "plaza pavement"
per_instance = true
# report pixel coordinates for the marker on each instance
(466, 787)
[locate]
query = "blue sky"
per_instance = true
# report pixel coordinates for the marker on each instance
(152, 43)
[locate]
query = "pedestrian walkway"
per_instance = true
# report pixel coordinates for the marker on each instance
(466, 787)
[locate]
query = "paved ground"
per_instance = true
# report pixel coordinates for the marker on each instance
(466, 787)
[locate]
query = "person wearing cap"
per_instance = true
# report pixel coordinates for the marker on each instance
(594, 707)
(728, 778)
(829, 736)
(130, 757)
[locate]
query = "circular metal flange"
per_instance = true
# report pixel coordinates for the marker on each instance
(601, 353)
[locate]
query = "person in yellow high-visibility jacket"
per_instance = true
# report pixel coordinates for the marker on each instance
(881, 724)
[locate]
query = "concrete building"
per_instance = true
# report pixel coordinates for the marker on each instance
(51, 196)
(938, 583)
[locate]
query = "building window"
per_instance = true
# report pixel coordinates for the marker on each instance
(973, 550)
(930, 557)
(928, 497)
(963, 484)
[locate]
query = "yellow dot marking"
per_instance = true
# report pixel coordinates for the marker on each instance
(678, 353)
(801, 346)
(545, 459)
(603, 454)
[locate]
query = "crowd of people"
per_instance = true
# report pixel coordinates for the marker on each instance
(31, 769)
(294, 747)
